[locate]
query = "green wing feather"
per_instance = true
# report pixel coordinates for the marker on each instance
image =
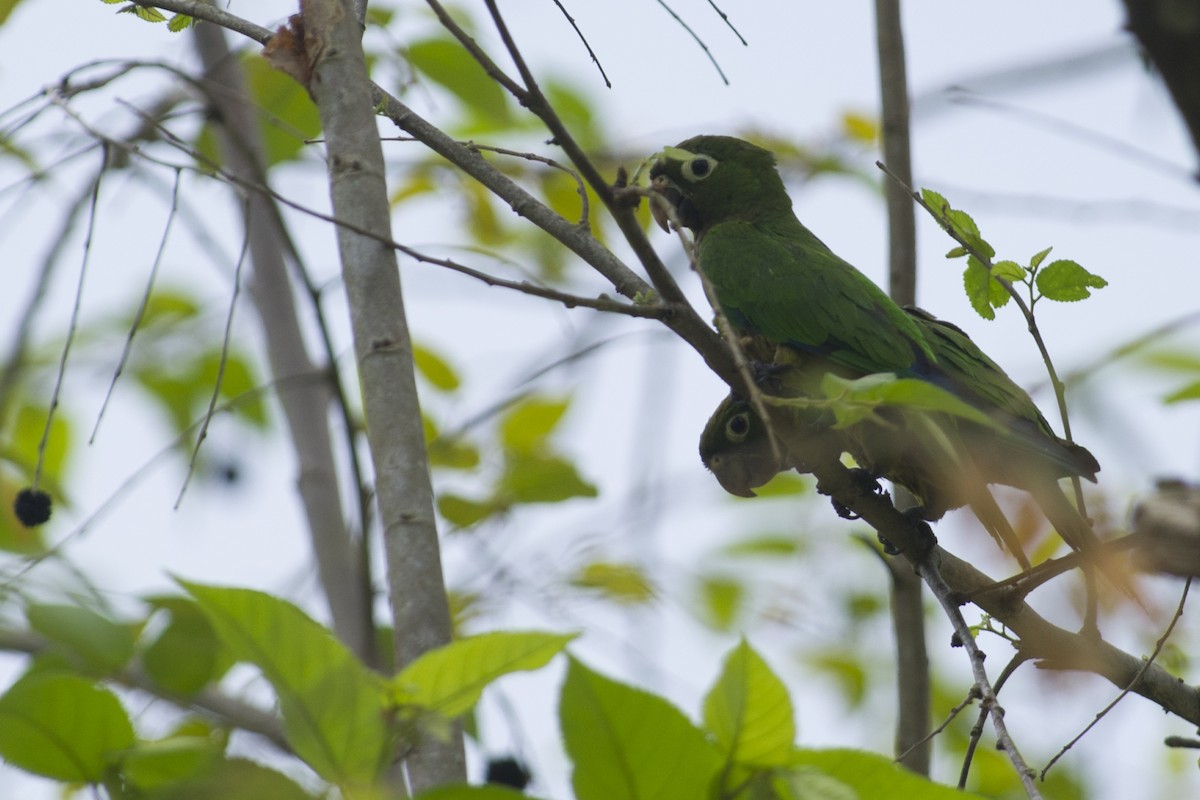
(781, 281)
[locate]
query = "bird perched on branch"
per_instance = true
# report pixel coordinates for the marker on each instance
(783, 291)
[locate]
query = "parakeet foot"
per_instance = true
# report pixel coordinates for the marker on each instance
(868, 482)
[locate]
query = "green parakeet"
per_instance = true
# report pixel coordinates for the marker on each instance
(779, 285)
(944, 471)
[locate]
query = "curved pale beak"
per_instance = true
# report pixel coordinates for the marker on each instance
(667, 192)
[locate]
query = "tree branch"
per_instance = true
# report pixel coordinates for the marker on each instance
(327, 46)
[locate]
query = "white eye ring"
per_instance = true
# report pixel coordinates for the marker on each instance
(738, 427)
(698, 168)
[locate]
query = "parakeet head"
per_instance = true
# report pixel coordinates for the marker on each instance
(735, 447)
(714, 179)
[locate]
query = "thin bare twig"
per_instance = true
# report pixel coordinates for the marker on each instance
(977, 729)
(929, 573)
(728, 23)
(74, 323)
(649, 310)
(535, 100)
(580, 188)
(1158, 646)
(582, 38)
(696, 38)
(141, 312)
(225, 340)
(972, 696)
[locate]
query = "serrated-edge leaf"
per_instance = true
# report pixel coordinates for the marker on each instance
(63, 727)
(976, 282)
(935, 202)
(1066, 281)
(1039, 257)
(149, 14)
(628, 744)
(334, 709)
(1008, 270)
(450, 679)
(749, 711)
(180, 22)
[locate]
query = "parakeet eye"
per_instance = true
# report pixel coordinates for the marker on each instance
(737, 427)
(698, 168)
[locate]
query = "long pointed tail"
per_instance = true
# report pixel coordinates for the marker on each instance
(989, 514)
(1077, 532)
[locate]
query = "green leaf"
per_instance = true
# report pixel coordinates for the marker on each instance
(445, 62)
(627, 584)
(1189, 392)
(435, 369)
(62, 727)
(288, 118)
(90, 639)
(628, 744)
(453, 454)
(530, 422)
(542, 479)
(26, 434)
(846, 669)
(722, 599)
(147, 14)
(450, 679)
(236, 779)
(186, 655)
(464, 792)
(807, 783)
(180, 22)
(860, 128)
(573, 108)
(1172, 360)
(7, 6)
(873, 775)
(334, 709)
(937, 204)
(784, 484)
(958, 223)
(463, 512)
(857, 398)
(151, 765)
(1008, 270)
(291, 116)
(1039, 257)
(1067, 282)
(957, 252)
(749, 711)
(983, 290)
(238, 382)
(772, 545)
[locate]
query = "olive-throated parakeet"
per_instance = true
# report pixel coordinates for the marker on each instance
(779, 285)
